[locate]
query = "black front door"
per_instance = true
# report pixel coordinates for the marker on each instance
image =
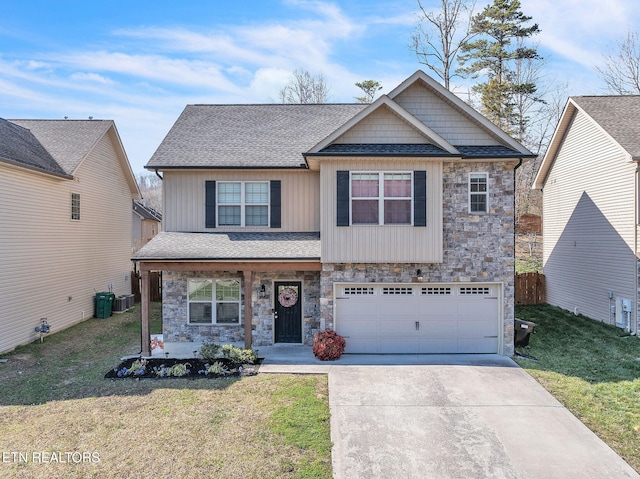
(288, 311)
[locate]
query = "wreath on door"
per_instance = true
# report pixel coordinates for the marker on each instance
(288, 297)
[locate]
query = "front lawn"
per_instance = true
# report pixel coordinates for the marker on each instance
(593, 369)
(59, 417)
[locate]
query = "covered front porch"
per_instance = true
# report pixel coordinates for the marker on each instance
(256, 289)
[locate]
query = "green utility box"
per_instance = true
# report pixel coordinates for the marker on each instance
(104, 303)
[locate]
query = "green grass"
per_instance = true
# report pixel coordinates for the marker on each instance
(593, 369)
(54, 398)
(529, 264)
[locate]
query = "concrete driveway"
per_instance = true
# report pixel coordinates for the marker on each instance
(482, 417)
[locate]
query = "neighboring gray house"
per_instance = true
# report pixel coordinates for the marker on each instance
(589, 178)
(146, 223)
(66, 189)
(392, 223)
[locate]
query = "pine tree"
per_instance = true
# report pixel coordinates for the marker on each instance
(495, 54)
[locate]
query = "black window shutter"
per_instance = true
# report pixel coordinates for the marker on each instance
(342, 200)
(276, 203)
(210, 204)
(419, 198)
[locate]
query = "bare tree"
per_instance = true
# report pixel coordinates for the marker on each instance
(370, 88)
(305, 88)
(151, 188)
(621, 68)
(439, 35)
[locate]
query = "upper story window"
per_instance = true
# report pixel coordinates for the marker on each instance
(381, 198)
(478, 192)
(243, 203)
(75, 206)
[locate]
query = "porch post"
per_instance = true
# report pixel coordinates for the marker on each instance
(248, 309)
(144, 312)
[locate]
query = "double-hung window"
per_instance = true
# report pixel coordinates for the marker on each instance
(478, 192)
(213, 301)
(381, 198)
(243, 203)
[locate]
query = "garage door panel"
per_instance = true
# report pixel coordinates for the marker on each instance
(478, 308)
(475, 346)
(439, 328)
(476, 328)
(359, 328)
(399, 345)
(438, 345)
(461, 318)
(400, 326)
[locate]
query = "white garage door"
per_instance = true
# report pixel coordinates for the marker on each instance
(423, 318)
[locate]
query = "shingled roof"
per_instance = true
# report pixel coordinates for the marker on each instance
(618, 115)
(19, 146)
(67, 141)
(169, 246)
(256, 136)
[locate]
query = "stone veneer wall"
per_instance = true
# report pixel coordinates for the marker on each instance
(477, 248)
(174, 308)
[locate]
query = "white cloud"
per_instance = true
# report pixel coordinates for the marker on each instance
(91, 78)
(579, 30)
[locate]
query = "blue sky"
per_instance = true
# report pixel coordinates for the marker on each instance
(140, 62)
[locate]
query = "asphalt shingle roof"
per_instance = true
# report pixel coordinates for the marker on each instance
(255, 136)
(19, 145)
(68, 141)
(618, 115)
(418, 149)
(146, 212)
(231, 246)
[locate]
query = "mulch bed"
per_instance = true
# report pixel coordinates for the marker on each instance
(196, 369)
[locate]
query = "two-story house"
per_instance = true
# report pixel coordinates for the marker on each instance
(66, 189)
(392, 223)
(590, 180)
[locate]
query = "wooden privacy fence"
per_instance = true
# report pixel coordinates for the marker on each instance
(155, 286)
(530, 288)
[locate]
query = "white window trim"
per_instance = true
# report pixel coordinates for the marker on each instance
(380, 197)
(243, 204)
(470, 193)
(213, 302)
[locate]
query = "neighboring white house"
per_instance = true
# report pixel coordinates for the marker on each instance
(392, 223)
(66, 189)
(589, 179)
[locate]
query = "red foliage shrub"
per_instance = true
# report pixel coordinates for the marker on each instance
(328, 345)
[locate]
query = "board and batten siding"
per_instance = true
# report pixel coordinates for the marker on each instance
(448, 122)
(589, 223)
(183, 196)
(382, 126)
(52, 266)
(381, 244)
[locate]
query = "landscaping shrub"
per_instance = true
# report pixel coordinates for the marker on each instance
(328, 345)
(209, 351)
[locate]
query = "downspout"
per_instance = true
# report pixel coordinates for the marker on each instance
(634, 330)
(515, 213)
